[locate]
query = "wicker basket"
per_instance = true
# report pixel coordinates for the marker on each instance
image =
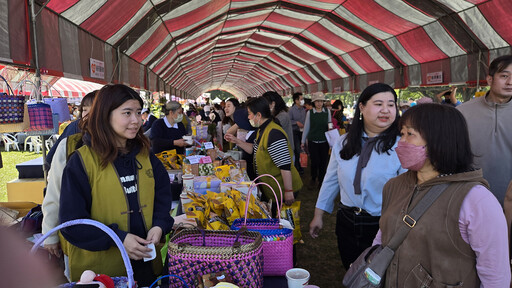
(277, 241)
(194, 252)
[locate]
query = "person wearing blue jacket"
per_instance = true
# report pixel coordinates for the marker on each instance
(114, 179)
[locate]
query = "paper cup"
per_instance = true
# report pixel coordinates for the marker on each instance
(188, 139)
(297, 277)
(188, 182)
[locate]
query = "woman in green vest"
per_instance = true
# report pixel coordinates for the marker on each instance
(114, 179)
(315, 126)
(271, 151)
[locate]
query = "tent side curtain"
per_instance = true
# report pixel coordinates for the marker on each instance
(64, 49)
(14, 47)
(132, 72)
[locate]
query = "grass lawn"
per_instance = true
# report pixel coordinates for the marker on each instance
(9, 172)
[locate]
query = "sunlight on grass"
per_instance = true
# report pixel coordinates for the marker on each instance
(9, 172)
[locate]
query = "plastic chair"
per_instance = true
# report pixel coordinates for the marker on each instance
(34, 143)
(9, 141)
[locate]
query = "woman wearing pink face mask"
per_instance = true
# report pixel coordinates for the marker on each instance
(462, 237)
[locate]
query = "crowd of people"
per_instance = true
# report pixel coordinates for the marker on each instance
(383, 163)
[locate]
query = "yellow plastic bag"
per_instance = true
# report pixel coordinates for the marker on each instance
(291, 213)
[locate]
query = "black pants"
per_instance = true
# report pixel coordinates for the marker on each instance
(297, 138)
(319, 156)
(143, 272)
(355, 233)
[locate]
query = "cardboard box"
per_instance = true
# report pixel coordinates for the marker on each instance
(22, 207)
(26, 190)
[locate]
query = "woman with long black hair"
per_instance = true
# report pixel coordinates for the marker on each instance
(361, 163)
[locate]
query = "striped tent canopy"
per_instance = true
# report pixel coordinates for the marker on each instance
(247, 47)
(66, 87)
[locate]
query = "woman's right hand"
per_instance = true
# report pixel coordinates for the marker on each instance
(136, 246)
(303, 147)
(230, 138)
(180, 143)
(315, 226)
(53, 249)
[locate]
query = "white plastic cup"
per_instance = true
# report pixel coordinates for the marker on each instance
(297, 277)
(188, 139)
(188, 182)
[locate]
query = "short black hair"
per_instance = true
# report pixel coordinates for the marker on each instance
(273, 96)
(352, 144)
(337, 104)
(87, 100)
(307, 101)
(296, 96)
(499, 64)
(445, 130)
(261, 105)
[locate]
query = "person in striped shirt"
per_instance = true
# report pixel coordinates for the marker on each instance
(271, 151)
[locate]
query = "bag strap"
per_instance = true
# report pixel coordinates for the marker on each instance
(412, 218)
(380, 263)
(8, 86)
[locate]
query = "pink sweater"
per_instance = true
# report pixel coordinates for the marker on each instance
(483, 226)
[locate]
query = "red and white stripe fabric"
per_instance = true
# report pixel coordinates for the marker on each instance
(248, 46)
(67, 87)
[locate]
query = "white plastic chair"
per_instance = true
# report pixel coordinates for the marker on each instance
(34, 143)
(9, 141)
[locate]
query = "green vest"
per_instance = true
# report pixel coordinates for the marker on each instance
(318, 125)
(109, 205)
(71, 143)
(266, 166)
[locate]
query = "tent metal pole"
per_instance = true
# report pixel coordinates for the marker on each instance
(478, 71)
(39, 96)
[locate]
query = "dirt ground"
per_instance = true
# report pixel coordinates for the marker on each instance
(319, 256)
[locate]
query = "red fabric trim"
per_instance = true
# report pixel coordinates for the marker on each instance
(498, 13)
(376, 15)
(111, 17)
(60, 6)
(419, 45)
(364, 60)
(149, 46)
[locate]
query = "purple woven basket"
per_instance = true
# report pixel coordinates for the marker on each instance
(40, 115)
(194, 253)
(277, 241)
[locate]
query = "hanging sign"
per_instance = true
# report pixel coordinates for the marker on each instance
(97, 68)
(435, 77)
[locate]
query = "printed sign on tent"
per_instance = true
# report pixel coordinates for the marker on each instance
(97, 68)
(435, 77)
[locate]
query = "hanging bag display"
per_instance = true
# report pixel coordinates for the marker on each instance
(25, 123)
(59, 105)
(194, 253)
(277, 241)
(119, 282)
(40, 114)
(11, 106)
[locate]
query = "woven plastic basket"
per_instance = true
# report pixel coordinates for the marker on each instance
(194, 252)
(277, 241)
(120, 282)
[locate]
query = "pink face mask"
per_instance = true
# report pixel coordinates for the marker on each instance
(411, 157)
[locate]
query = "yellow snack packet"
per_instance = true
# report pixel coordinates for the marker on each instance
(231, 212)
(222, 172)
(291, 213)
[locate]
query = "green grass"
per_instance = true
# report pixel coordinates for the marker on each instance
(9, 172)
